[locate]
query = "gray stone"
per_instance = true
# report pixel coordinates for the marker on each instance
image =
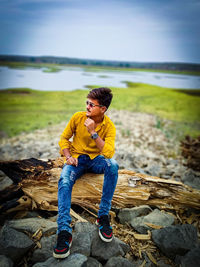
(155, 217)
(172, 162)
(169, 171)
(5, 181)
(104, 251)
(191, 178)
(45, 252)
(129, 160)
(153, 170)
(14, 244)
(91, 262)
(75, 260)
(82, 237)
(31, 214)
(54, 218)
(175, 240)
(81, 243)
(140, 262)
(119, 262)
(149, 263)
(5, 262)
(192, 258)
(127, 214)
(125, 247)
(33, 224)
(161, 263)
(85, 227)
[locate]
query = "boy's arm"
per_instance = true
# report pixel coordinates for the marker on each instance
(65, 144)
(107, 147)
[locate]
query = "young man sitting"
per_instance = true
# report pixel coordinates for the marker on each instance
(91, 150)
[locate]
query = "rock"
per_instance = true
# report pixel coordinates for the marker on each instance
(119, 262)
(82, 237)
(125, 247)
(140, 262)
(81, 243)
(127, 214)
(175, 240)
(14, 244)
(31, 214)
(155, 217)
(148, 262)
(31, 225)
(75, 260)
(192, 179)
(169, 171)
(104, 251)
(161, 263)
(172, 162)
(45, 252)
(5, 181)
(153, 170)
(91, 262)
(192, 258)
(5, 262)
(85, 227)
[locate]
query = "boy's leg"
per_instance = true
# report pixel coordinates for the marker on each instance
(110, 169)
(67, 179)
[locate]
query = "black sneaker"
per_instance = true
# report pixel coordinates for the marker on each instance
(105, 230)
(64, 242)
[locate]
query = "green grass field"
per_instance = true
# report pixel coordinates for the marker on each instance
(24, 110)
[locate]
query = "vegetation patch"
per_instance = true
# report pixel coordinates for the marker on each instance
(24, 110)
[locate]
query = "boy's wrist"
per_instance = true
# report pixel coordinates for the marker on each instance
(94, 135)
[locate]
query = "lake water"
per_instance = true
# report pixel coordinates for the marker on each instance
(72, 78)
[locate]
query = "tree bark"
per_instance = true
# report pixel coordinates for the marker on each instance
(36, 181)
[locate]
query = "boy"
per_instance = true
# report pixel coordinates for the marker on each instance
(91, 150)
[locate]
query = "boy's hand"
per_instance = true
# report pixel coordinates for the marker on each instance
(72, 161)
(90, 124)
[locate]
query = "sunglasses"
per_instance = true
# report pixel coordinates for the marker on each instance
(92, 105)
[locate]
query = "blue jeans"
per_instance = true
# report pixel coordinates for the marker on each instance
(69, 176)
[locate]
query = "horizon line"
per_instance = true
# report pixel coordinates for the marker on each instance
(107, 60)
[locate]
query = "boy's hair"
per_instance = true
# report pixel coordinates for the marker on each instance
(102, 94)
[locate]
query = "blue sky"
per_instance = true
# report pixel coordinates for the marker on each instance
(129, 30)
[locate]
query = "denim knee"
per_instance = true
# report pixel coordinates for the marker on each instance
(67, 177)
(112, 165)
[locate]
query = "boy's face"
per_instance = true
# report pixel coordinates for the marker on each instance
(93, 108)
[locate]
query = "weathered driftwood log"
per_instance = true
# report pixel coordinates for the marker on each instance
(38, 182)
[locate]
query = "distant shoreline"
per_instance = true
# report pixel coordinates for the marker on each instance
(53, 63)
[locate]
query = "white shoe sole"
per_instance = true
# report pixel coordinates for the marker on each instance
(62, 256)
(104, 239)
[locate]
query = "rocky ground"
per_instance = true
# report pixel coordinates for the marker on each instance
(144, 236)
(142, 145)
